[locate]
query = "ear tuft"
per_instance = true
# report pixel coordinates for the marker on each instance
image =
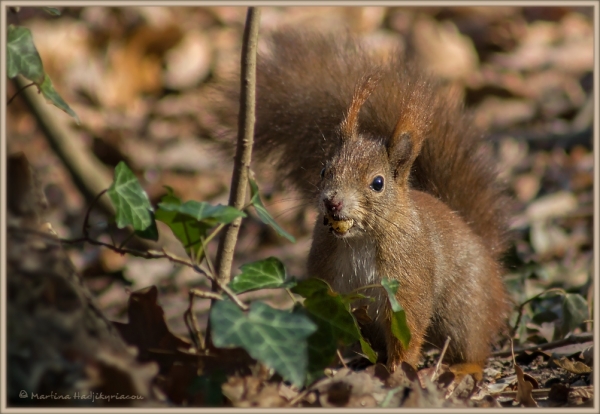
(364, 88)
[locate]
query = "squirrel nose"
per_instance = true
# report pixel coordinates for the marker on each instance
(333, 205)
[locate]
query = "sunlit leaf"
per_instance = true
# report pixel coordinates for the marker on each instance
(263, 274)
(130, 200)
(274, 337)
(55, 99)
(21, 55)
(398, 321)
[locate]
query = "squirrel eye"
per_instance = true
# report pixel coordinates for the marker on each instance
(377, 184)
(323, 172)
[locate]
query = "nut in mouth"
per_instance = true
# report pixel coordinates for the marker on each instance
(339, 225)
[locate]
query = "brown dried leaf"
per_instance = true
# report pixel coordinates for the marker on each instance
(524, 389)
(576, 367)
(148, 330)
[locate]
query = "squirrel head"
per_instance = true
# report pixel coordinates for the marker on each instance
(365, 183)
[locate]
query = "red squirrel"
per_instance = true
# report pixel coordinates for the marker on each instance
(402, 186)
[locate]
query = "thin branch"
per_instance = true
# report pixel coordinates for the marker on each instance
(573, 339)
(341, 358)
(225, 289)
(148, 254)
(522, 306)
(192, 323)
(439, 363)
(206, 294)
(239, 181)
(18, 92)
(86, 221)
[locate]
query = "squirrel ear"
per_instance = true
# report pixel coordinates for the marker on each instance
(403, 149)
(364, 88)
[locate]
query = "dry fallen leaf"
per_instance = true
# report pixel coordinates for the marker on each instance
(576, 367)
(524, 389)
(148, 330)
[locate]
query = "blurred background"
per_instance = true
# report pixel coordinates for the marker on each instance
(142, 80)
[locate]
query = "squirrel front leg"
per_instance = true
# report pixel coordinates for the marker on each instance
(418, 319)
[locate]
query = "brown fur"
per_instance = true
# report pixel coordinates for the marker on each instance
(437, 226)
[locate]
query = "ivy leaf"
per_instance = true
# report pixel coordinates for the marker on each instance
(331, 312)
(130, 200)
(263, 214)
(151, 232)
(575, 311)
(190, 221)
(21, 55)
(55, 99)
(264, 274)
(274, 337)
(23, 58)
(203, 211)
(328, 306)
(398, 320)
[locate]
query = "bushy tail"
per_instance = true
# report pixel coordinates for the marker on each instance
(305, 83)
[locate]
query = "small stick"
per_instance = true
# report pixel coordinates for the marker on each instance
(192, 324)
(439, 363)
(339, 354)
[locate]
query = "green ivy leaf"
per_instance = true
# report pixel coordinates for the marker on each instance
(187, 229)
(329, 307)
(399, 325)
(264, 274)
(263, 214)
(55, 99)
(575, 311)
(322, 347)
(311, 287)
(151, 232)
(274, 337)
(21, 55)
(130, 200)
(331, 312)
(23, 58)
(202, 211)
(190, 221)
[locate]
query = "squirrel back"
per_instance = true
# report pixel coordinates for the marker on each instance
(305, 83)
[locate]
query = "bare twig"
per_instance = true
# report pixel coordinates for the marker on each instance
(225, 289)
(439, 363)
(192, 323)
(339, 354)
(86, 221)
(239, 181)
(574, 339)
(18, 92)
(522, 306)
(147, 254)
(206, 294)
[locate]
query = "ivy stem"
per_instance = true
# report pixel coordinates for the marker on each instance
(18, 92)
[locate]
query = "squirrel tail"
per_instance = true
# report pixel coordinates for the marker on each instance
(305, 84)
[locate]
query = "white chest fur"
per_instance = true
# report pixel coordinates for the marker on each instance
(354, 264)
